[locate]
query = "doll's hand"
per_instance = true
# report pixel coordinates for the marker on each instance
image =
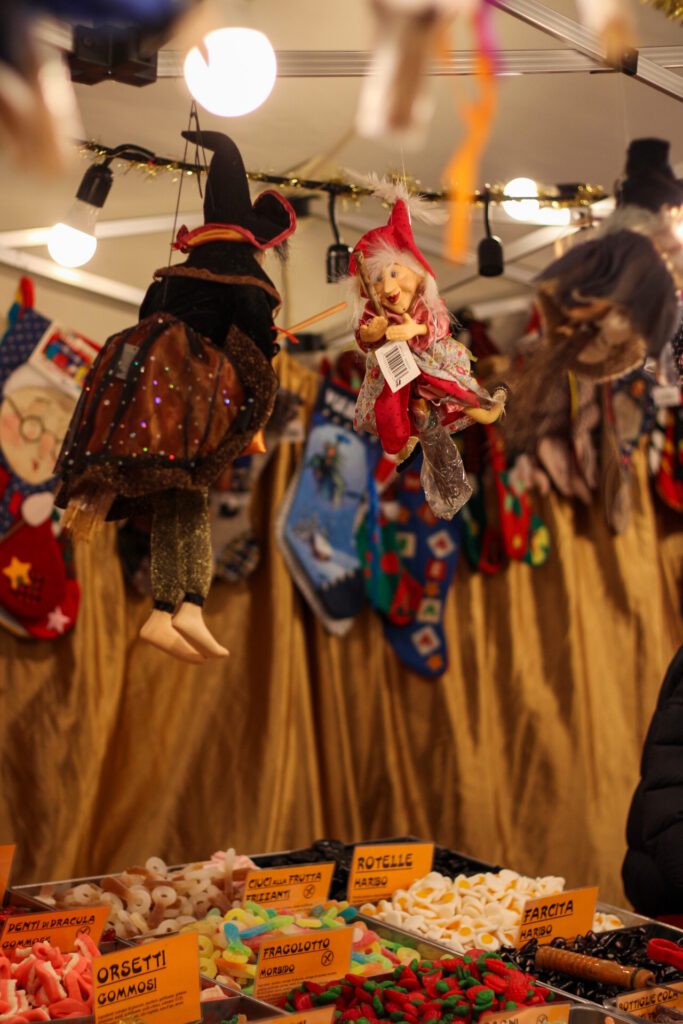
(374, 331)
(405, 331)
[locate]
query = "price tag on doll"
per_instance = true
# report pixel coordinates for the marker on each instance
(397, 364)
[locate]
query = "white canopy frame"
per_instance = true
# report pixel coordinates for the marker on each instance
(654, 68)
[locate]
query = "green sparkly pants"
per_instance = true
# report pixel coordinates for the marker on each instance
(181, 548)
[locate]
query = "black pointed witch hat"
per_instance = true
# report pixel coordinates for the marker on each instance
(227, 202)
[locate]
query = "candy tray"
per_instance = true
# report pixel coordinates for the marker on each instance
(327, 851)
(436, 951)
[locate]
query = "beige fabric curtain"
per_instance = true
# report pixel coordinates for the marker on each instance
(525, 753)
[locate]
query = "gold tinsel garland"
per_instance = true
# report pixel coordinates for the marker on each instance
(583, 195)
(671, 8)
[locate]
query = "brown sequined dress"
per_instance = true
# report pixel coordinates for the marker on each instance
(166, 407)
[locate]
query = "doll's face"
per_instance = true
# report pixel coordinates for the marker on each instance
(33, 422)
(397, 286)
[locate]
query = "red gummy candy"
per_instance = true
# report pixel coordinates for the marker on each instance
(69, 1008)
(518, 986)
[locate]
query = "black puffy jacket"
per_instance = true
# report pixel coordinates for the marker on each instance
(653, 868)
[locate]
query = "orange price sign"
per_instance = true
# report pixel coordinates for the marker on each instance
(286, 961)
(378, 871)
(6, 858)
(563, 915)
(548, 1013)
(294, 888)
(320, 1015)
(60, 927)
(157, 982)
(645, 1002)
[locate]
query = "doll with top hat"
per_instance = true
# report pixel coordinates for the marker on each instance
(613, 301)
(397, 300)
(173, 400)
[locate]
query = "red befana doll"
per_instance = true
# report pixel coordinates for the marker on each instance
(173, 400)
(418, 383)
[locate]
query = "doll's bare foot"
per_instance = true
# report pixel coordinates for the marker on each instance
(493, 414)
(189, 622)
(158, 630)
(407, 450)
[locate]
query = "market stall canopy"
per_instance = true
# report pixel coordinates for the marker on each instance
(552, 126)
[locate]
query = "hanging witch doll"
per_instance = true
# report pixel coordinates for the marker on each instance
(612, 301)
(418, 384)
(170, 402)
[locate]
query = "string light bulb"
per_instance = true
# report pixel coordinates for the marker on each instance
(527, 209)
(233, 71)
(72, 242)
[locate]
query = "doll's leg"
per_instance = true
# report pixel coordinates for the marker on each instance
(392, 418)
(166, 581)
(194, 537)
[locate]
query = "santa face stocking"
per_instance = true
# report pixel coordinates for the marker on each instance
(41, 369)
(316, 524)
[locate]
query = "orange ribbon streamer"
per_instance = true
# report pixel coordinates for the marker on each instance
(462, 171)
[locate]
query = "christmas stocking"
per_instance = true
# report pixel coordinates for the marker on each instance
(628, 413)
(316, 524)
(669, 474)
(41, 372)
(428, 550)
(389, 587)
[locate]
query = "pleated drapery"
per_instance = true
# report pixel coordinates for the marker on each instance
(524, 753)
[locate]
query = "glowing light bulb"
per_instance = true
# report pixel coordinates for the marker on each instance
(239, 75)
(72, 242)
(525, 209)
(70, 247)
(528, 209)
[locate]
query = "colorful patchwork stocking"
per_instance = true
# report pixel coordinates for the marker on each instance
(428, 551)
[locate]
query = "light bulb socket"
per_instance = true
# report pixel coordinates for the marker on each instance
(490, 257)
(337, 262)
(96, 185)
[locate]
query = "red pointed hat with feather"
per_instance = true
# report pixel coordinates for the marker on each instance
(397, 232)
